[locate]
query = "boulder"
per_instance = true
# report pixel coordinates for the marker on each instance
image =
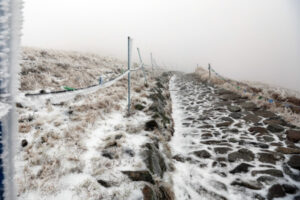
(139, 107)
(271, 172)
(224, 124)
(242, 154)
(265, 113)
(269, 157)
(249, 106)
(250, 118)
(235, 115)
(104, 183)
(151, 125)
(149, 193)
(257, 129)
(241, 168)
(24, 143)
(143, 175)
(294, 162)
(275, 128)
(222, 150)
(202, 154)
(234, 108)
(253, 185)
(275, 191)
(154, 160)
(287, 150)
(293, 135)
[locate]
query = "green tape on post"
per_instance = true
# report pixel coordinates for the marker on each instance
(69, 88)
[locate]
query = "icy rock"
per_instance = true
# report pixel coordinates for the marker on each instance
(139, 107)
(250, 118)
(293, 135)
(149, 193)
(224, 124)
(222, 150)
(289, 189)
(179, 158)
(253, 185)
(265, 113)
(241, 168)
(154, 160)
(104, 183)
(202, 154)
(294, 162)
(249, 106)
(151, 125)
(274, 128)
(271, 172)
(143, 175)
(275, 191)
(234, 108)
(266, 179)
(242, 154)
(24, 143)
(269, 157)
(258, 129)
(287, 150)
(235, 115)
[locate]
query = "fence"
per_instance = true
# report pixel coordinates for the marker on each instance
(246, 90)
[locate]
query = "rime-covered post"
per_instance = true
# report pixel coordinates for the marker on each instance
(141, 61)
(10, 20)
(129, 47)
(151, 61)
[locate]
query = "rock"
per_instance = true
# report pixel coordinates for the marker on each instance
(104, 183)
(286, 150)
(235, 115)
(139, 107)
(275, 120)
(166, 193)
(206, 135)
(223, 91)
(241, 168)
(293, 135)
(242, 154)
(257, 129)
(148, 193)
(130, 152)
(151, 125)
(289, 189)
(266, 179)
(119, 136)
(294, 162)
(275, 191)
(234, 108)
(265, 113)
(206, 126)
(222, 150)
(268, 138)
(287, 170)
(202, 154)
(227, 119)
(224, 124)
(229, 97)
(253, 185)
(154, 160)
(269, 157)
(297, 197)
(179, 158)
(24, 143)
(143, 175)
(107, 154)
(250, 118)
(19, 105)
(271, 172)
(274, 128)
(249, 106)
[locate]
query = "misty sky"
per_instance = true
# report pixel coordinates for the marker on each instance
(256, 40)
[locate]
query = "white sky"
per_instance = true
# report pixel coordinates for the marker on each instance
(255, 40)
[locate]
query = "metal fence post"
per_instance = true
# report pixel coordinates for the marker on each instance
(129, 48)
(142, 65)
(209, 70)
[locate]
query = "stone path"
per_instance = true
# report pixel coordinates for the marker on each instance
(225, 147)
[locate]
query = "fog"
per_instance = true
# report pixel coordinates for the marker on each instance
(256, 40)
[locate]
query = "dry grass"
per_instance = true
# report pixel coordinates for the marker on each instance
(254, 91)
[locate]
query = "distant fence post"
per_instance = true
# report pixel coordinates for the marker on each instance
(129, 48)
(209, 70)
(142, 65)
(151, 61)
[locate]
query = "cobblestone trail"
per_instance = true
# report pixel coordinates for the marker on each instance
(226, 147)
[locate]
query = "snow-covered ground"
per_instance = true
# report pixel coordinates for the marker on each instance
(77, 147)
(217, 157)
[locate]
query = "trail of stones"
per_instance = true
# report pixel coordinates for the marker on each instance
(225, 147)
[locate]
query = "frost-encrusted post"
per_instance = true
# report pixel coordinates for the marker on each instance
(151, 61)
(142, 65)
(10, 20)
(129, 57)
